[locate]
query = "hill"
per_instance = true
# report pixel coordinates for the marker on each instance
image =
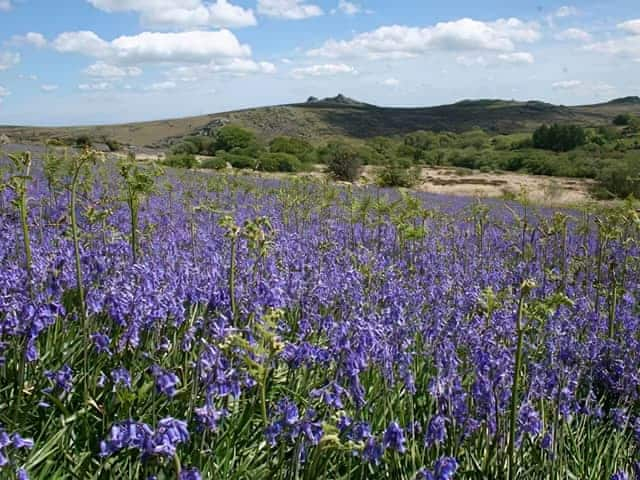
(318, 119)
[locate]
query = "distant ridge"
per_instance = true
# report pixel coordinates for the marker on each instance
(318, 119)
(634, 100)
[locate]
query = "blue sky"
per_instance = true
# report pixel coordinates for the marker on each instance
(109, 61)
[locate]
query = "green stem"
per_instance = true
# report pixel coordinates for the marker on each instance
(515, 387)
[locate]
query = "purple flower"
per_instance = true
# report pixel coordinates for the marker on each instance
(445, 468)
(121, 376)
(62, 379)
(166, 381)
(190, 474)
(373, 451)
(620, 475)
(436, 431)
(101, 343)
(394, 438)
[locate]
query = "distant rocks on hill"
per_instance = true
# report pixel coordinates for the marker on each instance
(4, 140)
(339, 99)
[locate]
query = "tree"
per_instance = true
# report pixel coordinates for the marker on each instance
(343, 161)
(232, 137)
(623, 120)
(291, 145)
(559, 138)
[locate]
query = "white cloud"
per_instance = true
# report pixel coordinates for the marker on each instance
(8, 60)
(32, 38)
(182, 14)
(236, 66)
(623, 47)
(288, 9)
(148, 47)
(567, 85)
(5, 5)
(348, 8)
(84, 42)
(398, 41)
(48, 88)
(471, 61)
(566, 11)
(106, 70)
(631, 26)
(3, 93)
(160, 86)
(95, 87)
(27, 77)
(325, 70)
(520, 58)
(391, 82)
(575, 34)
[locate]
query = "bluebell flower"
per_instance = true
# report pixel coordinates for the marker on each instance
(393, 438)
(373, 451)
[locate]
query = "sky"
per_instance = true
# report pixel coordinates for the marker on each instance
(74, 62)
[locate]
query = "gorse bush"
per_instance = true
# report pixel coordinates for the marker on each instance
(215, 163)
(278, 162)
(343, 161)
(181, 160)
(175, 325)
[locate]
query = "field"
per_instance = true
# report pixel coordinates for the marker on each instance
(179, 325)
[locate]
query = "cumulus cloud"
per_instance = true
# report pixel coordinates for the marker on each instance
(628, 47)
(566, 11)
(236, 66)
(47, 88)
(566, 85)
(324, 70)
(471, 61)
(106, 70)
(348, 8)
(160, 86)
(31, 39)
(288, 9)
(521, 58)
(391, 82)
(574, 34)
(8, 60)
(398, 41)
(631, 26)
(182, 14)
(95, 87)
(5, 5)
(155, 47)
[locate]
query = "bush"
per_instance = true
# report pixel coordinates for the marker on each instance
(343, 161)
(83, 141)
(231, 137)
(559, 138)
(621, 177)
(239, 161)
(623, 120)
(113, 145)
(290, 145)
(181, 160)
(215, 163)
(396, 175)
(278, 162)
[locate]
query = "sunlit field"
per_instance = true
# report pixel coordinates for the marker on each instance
(176, 324)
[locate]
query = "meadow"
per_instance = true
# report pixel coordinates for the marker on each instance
(175, 324)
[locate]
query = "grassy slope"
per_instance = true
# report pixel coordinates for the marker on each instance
(320, 120)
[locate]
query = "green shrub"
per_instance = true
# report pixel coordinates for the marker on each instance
(231, 137)
(113, 145)
(621, 177)
(623, 120)
(215, 163)
(181, 160)
(396, 175)
(278, 162)
(343, 161)
(290, 145)
(239, 161)
(83, 141)
(559, 138)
